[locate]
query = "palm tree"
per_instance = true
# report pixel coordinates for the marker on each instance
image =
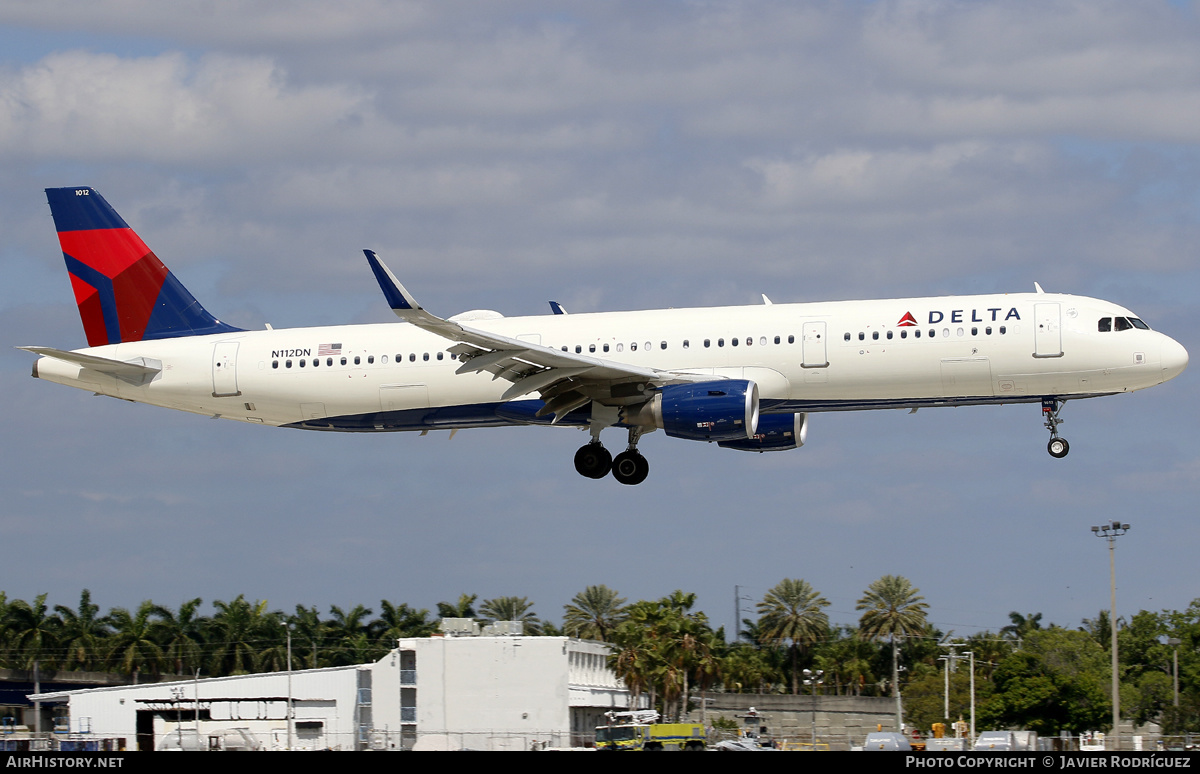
(33, 633)
(82, 633)
(464, 608)
(893, 609)
(594, 613)
(512, 609)
(241, 632)
(397, 621)
(133, 647)
(308, 628)
(1022, 625)
(182, 635)
(348, 630)
(792, 611)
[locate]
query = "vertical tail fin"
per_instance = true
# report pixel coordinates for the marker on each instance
(123, 291)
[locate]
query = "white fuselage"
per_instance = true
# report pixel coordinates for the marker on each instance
(956, 350)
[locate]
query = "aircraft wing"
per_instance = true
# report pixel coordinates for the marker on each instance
(565, 380)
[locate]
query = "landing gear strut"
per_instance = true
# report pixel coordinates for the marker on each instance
(630, 467)
(1058, 446)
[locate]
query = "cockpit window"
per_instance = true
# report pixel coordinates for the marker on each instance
(1141, 326)
(1105, 325)
(1123, 324)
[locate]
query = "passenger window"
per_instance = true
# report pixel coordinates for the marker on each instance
(1105, 325)
(578, 349)
(620, 347)
(301, 362)
(649, 345)
(889, 335)
(733, 342)
(316, 362)
(440, 355)
(605, 347)
(720, 342)
(988, 330)
(591, 347)
(371, 359)
(287, 364)
(874, 335)
(412, 357)
(1003, 329)
(974, 331)
(904, 334)
(847, 336)
(343, 360)
(776, 340)
(932, 333)
(791, 339)
(662, 345)
(862, 336)
(275, 364)
(707, 342)
(633, 346)
(685, 343)
(357, 360)
(425, 356)
(917, 333)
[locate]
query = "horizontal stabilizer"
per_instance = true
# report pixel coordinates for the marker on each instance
(138, 371)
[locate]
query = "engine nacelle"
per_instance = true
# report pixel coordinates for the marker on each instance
(776, 432)
(722, 410)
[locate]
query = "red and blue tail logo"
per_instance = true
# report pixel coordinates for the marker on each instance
(123, 291)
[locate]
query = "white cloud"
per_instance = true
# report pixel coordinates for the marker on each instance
(81, 105)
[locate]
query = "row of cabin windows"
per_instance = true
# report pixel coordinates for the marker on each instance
(917, 333)
(649, 345)
(316, 361)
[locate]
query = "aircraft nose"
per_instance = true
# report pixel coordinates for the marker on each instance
(1174, 358)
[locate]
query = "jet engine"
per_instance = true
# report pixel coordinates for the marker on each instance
(723, 410)
(776, 432)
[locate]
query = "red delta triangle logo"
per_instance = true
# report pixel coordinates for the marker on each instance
(906, 321)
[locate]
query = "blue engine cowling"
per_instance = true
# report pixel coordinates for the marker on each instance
(724, 410)
(776, 432)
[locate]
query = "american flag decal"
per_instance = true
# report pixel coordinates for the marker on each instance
(329, 349)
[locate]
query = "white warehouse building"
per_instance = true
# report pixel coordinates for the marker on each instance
(433, 693)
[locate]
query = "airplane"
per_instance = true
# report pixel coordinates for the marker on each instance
(744, 377)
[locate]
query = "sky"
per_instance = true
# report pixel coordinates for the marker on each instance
(610, 156)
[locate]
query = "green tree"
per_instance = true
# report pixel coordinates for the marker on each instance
(793, 612)
(893, 609)
(463, 608)
(512, 609)
(240, 632)
(82, 633)
(594, 613)
(134, 646)
(1055, 682)
(182, 635)
(33, 636)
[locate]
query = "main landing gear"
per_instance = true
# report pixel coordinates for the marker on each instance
(1058, 446)
(629, 467)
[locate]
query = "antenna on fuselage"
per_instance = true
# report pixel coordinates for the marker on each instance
(1038, 288)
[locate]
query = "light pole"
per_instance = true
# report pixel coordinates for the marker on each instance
(290, 714)
(1111, 532)
(813, 678)
(1175, 642)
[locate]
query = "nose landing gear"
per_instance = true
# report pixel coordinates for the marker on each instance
(1058, 446)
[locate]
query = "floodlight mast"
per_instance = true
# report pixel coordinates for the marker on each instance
(1111, 532)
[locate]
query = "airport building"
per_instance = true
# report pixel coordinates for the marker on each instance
(493, 691)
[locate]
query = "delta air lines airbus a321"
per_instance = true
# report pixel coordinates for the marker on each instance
(746, 377)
